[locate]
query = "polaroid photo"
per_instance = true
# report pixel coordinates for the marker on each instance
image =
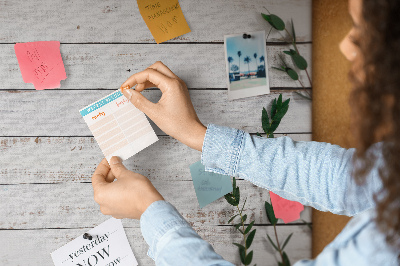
(246, 64)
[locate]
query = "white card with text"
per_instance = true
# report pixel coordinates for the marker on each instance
(109, 246)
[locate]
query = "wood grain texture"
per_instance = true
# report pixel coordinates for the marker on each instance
(331, 109)
(92, 66)
(120, 20)
(41, 243)
(56, 113)
(40, 206)
(45, 160)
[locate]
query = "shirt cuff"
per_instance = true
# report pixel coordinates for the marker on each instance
(222, 148)
(158, 219)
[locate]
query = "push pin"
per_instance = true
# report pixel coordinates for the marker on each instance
(246, 36)
(87, 236)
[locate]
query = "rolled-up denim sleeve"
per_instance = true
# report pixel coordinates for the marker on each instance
(172, 241)
(315, 174)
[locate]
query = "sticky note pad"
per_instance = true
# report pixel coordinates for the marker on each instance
(164, 18)
(209, 186)
(41, 64)
(118, 126)
(284, 209)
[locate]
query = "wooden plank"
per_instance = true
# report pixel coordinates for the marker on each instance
(120, 21)
(71, 205)
(38, 244)
(66, 159)
(55, 113)
(91, 66)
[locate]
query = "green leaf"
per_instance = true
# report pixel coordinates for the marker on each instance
(250, 238)
(286, 241)
(265, 120)
(280, 114)
(293, 32)
(280, 264)
(233, 217)
(237, 196)
(230, 199)
(270, 213)
(239, 246)
(280, 69)
(249, 227)
(286, 261)
(234, 185)
(273, 108)
(299, 61)
(240, 230)
(279, 103)
(287, 52)
(248, 258)
(275, 21)
(242, 255)
(272, 243)
(292, 74)
(237, 226)
(258, 134)
(275, 125)
(271, 136)
(244, 218)
(285, 103)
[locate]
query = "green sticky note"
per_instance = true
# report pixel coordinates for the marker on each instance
(209, 186)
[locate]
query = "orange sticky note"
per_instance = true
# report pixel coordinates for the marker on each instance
(284, 209)
(164, 18)
(41, 63)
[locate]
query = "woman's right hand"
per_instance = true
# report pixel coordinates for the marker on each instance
(174, 112)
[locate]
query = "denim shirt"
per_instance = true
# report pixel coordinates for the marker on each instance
(313, 173)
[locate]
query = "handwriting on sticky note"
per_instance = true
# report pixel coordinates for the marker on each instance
(108, 246)
(41, 63)
(209, 186)
(164, 18)
(118, 126)
(284, 209)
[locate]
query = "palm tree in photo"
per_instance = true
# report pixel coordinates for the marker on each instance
(230, 60)
(262, 59)
(255, 60)
(247, 60)
(239, 55)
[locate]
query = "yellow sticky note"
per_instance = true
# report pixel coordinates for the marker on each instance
(164, 18)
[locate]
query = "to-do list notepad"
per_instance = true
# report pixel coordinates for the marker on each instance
(118, 126)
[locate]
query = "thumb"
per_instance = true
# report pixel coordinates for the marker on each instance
(117, 167)
(138, 100)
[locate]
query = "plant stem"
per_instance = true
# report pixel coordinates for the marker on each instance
(304, 88)
(297, 50)
(279, 246)
(244, 235)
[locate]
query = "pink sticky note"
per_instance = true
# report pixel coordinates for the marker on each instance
(284, 209)
(41, 63)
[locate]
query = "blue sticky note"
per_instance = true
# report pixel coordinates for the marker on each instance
(209, 186)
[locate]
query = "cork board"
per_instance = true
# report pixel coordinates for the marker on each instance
(331, 89)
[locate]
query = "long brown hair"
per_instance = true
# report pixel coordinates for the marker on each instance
(376, 107)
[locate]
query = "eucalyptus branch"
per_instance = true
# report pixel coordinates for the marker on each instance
(233, 199)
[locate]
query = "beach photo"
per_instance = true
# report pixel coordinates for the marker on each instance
(246, 64)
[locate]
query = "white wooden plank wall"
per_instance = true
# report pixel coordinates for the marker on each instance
(48, 154)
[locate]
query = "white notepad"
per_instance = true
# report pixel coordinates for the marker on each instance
(118, 126)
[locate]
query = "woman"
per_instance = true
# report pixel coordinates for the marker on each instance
(316, 174)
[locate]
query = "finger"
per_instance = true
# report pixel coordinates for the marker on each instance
(160, 67)
(110, 177)
(160, 80)
(140, 102)
(117, 167)
(100, 174)
(142, 86)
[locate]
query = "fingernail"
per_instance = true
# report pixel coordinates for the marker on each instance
(129, 92)
(115, 160)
